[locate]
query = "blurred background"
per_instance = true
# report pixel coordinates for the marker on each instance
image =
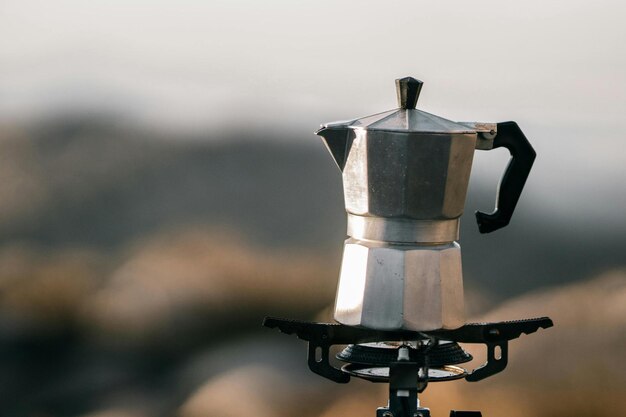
(161, 191)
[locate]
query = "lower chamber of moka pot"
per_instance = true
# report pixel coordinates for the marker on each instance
(371, 361)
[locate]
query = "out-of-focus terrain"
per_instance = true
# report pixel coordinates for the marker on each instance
(136, 268)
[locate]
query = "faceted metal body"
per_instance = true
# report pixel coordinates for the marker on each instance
(405, 176)
(388, 287)
(404, 193)
(410, 175)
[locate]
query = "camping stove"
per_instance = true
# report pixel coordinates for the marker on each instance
(399, 303)
(407, 360)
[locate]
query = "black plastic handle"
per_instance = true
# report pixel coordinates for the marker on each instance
(523, 155)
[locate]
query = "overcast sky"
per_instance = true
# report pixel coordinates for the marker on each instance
(556, 67)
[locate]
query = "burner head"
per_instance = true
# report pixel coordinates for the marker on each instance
(381, 374)
(383, 353)
(371, 360)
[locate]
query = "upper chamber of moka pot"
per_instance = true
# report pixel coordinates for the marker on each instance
(405, 176)
(403, 163)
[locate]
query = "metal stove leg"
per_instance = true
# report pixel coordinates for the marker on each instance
(406, 379)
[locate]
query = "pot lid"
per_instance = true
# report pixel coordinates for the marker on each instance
(407, 118)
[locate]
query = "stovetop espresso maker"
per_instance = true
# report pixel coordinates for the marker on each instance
(405, 177)
(399, 304)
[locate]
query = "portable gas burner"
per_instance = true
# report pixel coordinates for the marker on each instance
(399, 304)
(408, 360)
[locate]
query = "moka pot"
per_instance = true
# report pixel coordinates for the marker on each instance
(405, 177)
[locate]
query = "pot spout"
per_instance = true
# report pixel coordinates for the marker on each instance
(335, 138)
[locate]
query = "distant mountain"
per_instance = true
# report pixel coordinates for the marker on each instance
(85, 183)
(90, 182)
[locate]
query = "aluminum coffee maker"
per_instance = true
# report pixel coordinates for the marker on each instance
(405, 178)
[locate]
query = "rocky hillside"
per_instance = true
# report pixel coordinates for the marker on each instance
(174, 329)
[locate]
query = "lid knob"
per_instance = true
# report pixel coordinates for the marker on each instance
(408, 90)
